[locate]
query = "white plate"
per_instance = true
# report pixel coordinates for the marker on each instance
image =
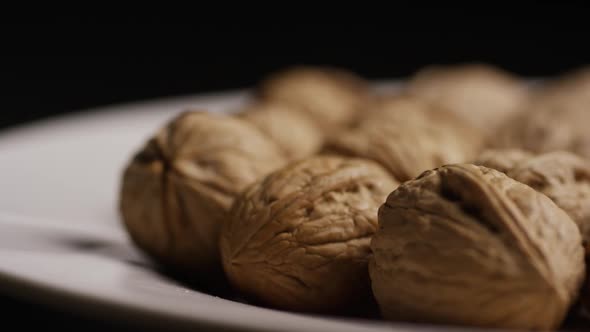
(60, 238)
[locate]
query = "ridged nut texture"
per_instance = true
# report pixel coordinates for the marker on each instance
(299, 239)
(467, 245)
(292, 130)
(331, 97)
(407, 136)
(562, 176)
(176, 191)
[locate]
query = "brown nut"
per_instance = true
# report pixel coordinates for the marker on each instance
(330, 96)
(546, 127)
(465, 244)
(299, 239)
(572, 87)
(407, 137)
(562, 176)
(177, 190)
(502, 160)
(482, 95)
(294, 132)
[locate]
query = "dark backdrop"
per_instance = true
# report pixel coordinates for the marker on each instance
(55, 69)
(47, 70)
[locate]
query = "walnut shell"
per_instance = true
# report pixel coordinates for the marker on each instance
(330, 96)
(546, 127)
(502, 160)
(294, 132)
(465, 244)
(572, 87)
(299, 239)
(482, 95)
(177, 190)
(562, 176)
(407, 137)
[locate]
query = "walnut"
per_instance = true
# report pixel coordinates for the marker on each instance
(332, 97)
(468, 245)
(299, 239)
(177, 190)
(546, 127)
(572, 87)
(502, 160)
(407, 137)
(399, 107)
(295, 133)
(482, 95)
(562, 176)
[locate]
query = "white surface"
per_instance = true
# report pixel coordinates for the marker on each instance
(60, 238)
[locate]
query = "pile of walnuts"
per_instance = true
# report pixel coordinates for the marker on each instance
(463, 198)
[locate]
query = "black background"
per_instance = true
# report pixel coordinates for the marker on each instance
(48, 69)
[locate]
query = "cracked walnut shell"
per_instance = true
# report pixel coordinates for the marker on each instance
(407, 137)
(331, 97)
(562, 176)
(293, 131)
(468, 245)
(177, 190)
(299, 239)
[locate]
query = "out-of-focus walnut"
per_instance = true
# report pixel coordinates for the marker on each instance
(294, 132)
(555, 120)
(399, 107)
(502, 160)
(299, 239)
(177, 190)
(546, 127)
(332, 97)
(572, 87)
(482, 95)
(407, 137)
(468, 245)
(562, 176)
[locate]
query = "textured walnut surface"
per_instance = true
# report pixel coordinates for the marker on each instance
(482, 95)
(177, 190)
(407, 137)
(293, 131)
(464, 244)
(299, 239)
(331, 97)
(562, 176)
